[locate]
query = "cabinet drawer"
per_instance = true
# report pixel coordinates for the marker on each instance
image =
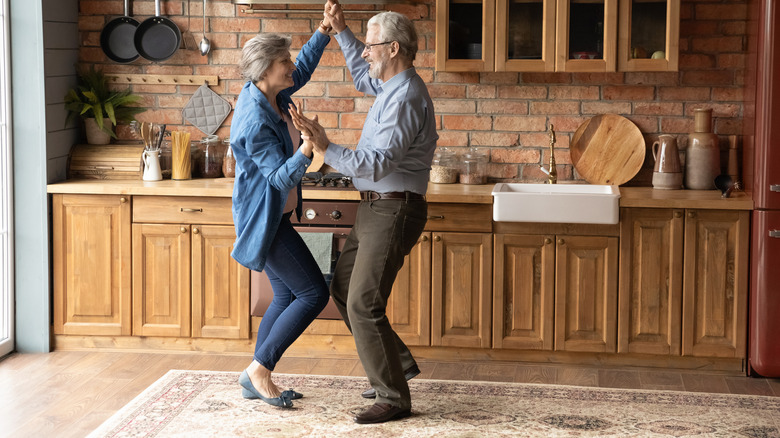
(182, 209)
(460, 217)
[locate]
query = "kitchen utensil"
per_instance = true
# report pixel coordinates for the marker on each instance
(152, 171)
(160, 135)
(157, 38)
(116, 39)
(205, 44)
(726, 185)
(206, 110)
(607, 149)
(667, 158)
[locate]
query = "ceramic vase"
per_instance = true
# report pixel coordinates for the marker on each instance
(94, 134)
(702, 159)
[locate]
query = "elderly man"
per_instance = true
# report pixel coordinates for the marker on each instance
(390, 167)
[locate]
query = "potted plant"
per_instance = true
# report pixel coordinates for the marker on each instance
(100, 107)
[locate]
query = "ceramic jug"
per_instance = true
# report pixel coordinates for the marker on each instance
(667, 159)
(152, 170)
(702, 159)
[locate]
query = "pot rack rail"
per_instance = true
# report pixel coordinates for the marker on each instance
(121, 78)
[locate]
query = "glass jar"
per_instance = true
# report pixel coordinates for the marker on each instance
(444, 167)
(165, 159)
(474, 167)
(209, 164)
(229, 163)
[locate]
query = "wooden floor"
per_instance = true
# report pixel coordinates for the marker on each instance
(70, 393)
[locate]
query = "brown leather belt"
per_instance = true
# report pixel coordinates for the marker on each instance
(374, 196)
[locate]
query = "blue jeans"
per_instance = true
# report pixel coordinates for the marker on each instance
(300, 294)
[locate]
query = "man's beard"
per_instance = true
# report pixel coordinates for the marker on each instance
(376, 68)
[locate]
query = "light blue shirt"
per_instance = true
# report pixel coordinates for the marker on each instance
(267, 167)
(399, 136)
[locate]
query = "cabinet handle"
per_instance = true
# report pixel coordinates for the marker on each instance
(561, 241)
(547, 241)
(424, 238)
(183, 229)
(691, 214)
(195, 231)
(122, 200)
(435, 218)
(190, 210)
(677, 214)
(774, 233)
(437, 238)
(774, 188)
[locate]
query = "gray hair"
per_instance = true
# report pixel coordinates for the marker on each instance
(260, 52)
(397, 27)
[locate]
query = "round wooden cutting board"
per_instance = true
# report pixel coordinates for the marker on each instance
(607, 149)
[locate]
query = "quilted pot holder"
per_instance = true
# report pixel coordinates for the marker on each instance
(206, 110)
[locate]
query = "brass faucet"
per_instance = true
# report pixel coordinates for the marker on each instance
(552, 174)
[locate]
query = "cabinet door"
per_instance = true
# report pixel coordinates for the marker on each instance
(220, 286)
(91, 269)
(523, 291)
(715, 283)
(649, 38)
(586, 293)
(409, 306)
(161, 280)
(525, 35)
(464, 35)
(650, 292)
(586, 35)
(460, 304)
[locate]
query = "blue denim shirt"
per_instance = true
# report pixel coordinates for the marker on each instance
(266, 166)
(399, 136)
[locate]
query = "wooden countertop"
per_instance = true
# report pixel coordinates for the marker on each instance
(450, 193)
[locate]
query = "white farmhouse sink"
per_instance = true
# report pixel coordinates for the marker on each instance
(556, 203)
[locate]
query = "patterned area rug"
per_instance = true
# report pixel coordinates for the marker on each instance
(209, 404)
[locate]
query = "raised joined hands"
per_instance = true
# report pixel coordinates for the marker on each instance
(311, 130)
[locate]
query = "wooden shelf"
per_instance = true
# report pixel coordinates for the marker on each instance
(162, 79)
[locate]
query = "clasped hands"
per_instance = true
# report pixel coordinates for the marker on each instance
(311, 130)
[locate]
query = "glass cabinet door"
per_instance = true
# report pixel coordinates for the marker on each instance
(649, 35)
(464, 35)
(586, 36)
(525, 35)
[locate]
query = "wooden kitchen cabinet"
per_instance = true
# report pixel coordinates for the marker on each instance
(557, 290)
(683, 282)
(557, 35)
(409, 305)
(91, 264)
(185, 283)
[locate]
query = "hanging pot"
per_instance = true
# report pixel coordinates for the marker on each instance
(157, 38)
(116, 39)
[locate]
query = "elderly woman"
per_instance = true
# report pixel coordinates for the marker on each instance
(270, 162)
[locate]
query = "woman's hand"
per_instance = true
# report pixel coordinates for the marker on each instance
(311, 130)
(334, 15)
(307, 148)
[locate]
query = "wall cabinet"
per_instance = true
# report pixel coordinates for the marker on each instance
(557, 35)
(91, 270)
(555, 292)
(441, 296)
(184, 281)
(683, 282)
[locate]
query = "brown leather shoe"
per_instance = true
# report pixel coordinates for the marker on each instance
(380, 413)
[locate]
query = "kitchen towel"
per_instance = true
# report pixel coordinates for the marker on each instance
(321, 247)
(206, 110)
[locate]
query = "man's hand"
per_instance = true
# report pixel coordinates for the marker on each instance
(311, 130)
(334, 15)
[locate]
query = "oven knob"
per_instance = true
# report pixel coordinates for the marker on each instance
(335, 214)
(310, 214)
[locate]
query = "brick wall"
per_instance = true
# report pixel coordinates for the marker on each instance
(505, 112)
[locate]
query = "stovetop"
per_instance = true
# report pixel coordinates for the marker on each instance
(327, 181)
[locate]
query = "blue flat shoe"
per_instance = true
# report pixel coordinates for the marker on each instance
(293, 395)
(248, 391)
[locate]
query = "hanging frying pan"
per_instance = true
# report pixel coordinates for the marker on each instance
(116, 39)
(157, 38)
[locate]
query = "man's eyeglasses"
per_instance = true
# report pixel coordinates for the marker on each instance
(368, 47)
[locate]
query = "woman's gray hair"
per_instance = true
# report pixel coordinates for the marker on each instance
(260, 52)
(397, 27)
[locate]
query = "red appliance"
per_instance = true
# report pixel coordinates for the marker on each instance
(764, 177)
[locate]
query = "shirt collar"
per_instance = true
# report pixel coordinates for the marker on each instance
(262, 101)
(399, 79)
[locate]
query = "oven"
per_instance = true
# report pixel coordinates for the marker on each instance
(325, 225)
